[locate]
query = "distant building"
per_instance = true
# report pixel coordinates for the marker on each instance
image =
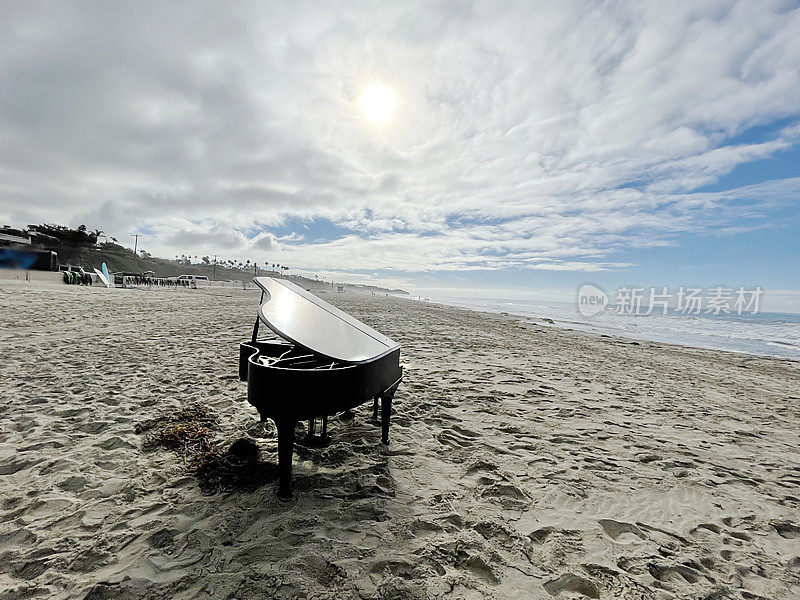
(18, 252)
(13, 237)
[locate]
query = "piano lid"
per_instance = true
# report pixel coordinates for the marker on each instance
(300, 317)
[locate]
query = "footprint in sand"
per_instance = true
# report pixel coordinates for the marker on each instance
(93, 427)
(620, 531)
(498, 532)
(667, 573)
(739, 536)
(450, 437)
(162, 538)
(727, 554)
(548, 547)
(573, 584)
(705, 526)
(507, 494)
(421, 527)
(786, 529)
(467, 556)
(29, 569)
(540, 535)
(12, 467)
(481, 466)
(400, 568)
(480, 568)
(647, 458)
(115, 443)
(73, 484)
(615, 584)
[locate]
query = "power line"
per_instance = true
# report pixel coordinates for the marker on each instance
(136, 243)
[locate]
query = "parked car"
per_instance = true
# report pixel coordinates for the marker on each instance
(193, 278)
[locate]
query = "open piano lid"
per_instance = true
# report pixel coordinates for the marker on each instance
(300, 317)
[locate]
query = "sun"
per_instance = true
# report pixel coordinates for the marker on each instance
(378, 103)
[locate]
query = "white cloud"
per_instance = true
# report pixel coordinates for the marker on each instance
(527, 135)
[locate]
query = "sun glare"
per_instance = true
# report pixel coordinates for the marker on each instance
(378, 103)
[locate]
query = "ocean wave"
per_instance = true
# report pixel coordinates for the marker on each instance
(768, 334)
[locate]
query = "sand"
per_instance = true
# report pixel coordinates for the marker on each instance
(525, 461)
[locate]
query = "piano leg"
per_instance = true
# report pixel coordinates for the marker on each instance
(386, 411)
(375, 408)
(317, 441)
(285, 450)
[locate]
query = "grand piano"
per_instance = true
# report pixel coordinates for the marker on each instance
(317, 362)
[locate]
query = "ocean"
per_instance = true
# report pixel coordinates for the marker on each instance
(766, 333)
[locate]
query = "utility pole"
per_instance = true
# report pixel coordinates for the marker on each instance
(215, 267)
(136, 243)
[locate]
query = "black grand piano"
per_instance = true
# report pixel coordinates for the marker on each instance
(321, 362)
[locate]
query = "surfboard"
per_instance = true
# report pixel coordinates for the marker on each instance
(103, 275)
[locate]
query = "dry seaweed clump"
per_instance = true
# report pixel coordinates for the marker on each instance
(191, 413)
(190, 432)
(188, 438)
(237, 467)
(196, 413)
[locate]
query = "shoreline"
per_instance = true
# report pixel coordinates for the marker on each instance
(556, 323)
(604, 331)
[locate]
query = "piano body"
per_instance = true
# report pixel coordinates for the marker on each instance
(324, 362)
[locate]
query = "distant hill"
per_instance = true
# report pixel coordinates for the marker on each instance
(80, 248)
(119, 258)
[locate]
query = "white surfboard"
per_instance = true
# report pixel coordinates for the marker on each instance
(103, 277)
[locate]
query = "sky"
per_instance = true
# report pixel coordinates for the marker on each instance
(534, 146)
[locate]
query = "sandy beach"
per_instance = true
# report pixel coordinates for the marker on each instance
(525, 461)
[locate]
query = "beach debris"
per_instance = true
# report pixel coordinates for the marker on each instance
(186, 437)
(190, 432)
(194, 413)
(236, 467)
(244, 449)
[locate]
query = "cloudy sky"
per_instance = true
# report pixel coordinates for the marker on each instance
(533, 147)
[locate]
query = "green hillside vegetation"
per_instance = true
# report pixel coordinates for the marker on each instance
(79, 247)
(119, 258)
